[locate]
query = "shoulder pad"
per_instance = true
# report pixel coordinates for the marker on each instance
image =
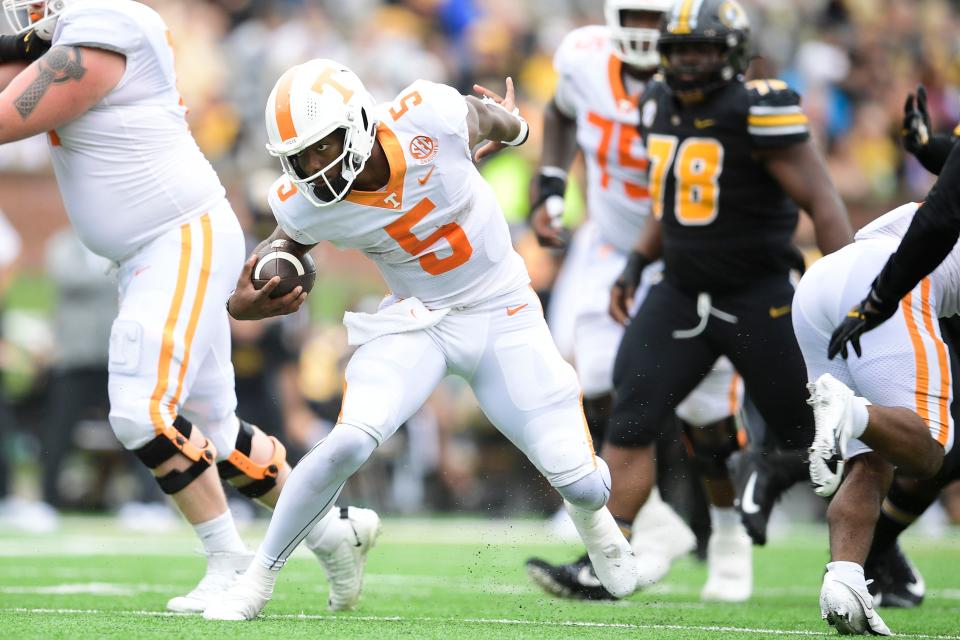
(775, 117)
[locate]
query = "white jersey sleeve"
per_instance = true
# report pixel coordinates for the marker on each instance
(445, 110)
(99, 25)
(292, 213)
(565, 62)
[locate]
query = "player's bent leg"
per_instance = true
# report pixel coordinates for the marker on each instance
(845, 602)
(310, 492)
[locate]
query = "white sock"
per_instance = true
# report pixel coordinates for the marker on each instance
(849, 572)
(315, 536)
(594, 527)
(724, 518)
(261, 575)
(860, 416)
(220, 535)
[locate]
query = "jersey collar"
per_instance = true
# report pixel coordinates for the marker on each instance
(398, 170)
(623, 100)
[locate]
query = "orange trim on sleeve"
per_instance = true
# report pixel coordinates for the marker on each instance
(942, 362)
(282, 109)
(919, 359)
(207, 233)
(169, 327)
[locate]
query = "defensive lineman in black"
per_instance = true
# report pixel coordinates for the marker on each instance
(731, 163)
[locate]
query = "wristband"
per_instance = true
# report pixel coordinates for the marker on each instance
(550, 181)
(524, 127)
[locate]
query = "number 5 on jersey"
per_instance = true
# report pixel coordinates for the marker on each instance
(696, 166)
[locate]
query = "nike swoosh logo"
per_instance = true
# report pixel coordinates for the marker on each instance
(778, 312)
(424, 179)
(747, 505)
(703, 124)
(355, 535)
(513, 310)
(587, 578)
(917, 588)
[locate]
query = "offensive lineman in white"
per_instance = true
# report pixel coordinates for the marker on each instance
(602, 70)
(140, 193)
(888, 406)
(397, 182)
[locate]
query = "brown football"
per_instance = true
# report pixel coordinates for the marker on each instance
(280, 258)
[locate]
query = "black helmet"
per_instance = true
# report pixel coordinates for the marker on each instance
(721, 22)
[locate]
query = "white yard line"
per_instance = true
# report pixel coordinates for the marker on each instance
(480, 621)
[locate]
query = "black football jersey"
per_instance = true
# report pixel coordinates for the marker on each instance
(726, 220)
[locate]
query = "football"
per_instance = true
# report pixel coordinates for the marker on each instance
(281, 258)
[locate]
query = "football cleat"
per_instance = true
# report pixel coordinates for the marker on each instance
(610, 553)
(576, 580)
(896, 582)
(729, 566)
(222, 570)
(342, 550)
(758, 484)
(245, 598)
(849, 608)
(660, 537)
(833, 416)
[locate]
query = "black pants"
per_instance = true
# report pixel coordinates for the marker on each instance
(654, 371)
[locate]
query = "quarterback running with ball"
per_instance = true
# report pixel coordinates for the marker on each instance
(397, 181)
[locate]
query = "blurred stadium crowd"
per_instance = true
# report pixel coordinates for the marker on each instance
(854, 61)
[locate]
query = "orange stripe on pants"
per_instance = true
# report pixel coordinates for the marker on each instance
(732, 395)
(167, 342)
(207, 233)
(943, 431)
(919, 359)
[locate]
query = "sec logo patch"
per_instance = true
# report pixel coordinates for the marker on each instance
(424, 149)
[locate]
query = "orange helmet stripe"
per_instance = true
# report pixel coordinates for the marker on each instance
(282, 108)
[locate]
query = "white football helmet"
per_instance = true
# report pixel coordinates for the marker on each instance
(39, 15)
(309, 102)
(636, 47)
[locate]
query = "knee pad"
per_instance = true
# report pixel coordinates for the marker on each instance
(168, 443)
(710, 446)
(263, 476)
(590, 492)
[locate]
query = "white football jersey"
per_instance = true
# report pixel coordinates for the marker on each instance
(891, 227)
(436, 231)
(128, 168)
(590, 89)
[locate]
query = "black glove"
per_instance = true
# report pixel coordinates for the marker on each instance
(917, 128)
(869, 313)
(629, 278)
(25, 47)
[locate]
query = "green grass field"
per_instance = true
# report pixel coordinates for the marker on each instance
(425, 579)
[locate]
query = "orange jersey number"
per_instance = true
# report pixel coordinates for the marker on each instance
(401, 230)
(625, 137)
(411, 99)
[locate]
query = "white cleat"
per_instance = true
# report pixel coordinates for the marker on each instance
(610, 554)
(342, 550)
(660, 537)
(849, 608)
(222, 570)
(730, 566)
(833, 416)
(246, 598)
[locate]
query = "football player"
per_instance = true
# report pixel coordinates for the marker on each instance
(599, 113)
(892, 579)
(397, 181)
(729, 164)
(140, 193)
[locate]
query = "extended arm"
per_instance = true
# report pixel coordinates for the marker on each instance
(648, 248)
(803, 176)
(930, 149)
(495, 120)
(248, 303)
(929, 239)
(59, 87)
(550, 184)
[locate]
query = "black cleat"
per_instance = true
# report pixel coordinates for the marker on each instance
(896, 582)
(576, 580)
(759, 479)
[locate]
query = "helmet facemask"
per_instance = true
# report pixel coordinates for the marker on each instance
(333, 182)
(41, 16)
(635, 45)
